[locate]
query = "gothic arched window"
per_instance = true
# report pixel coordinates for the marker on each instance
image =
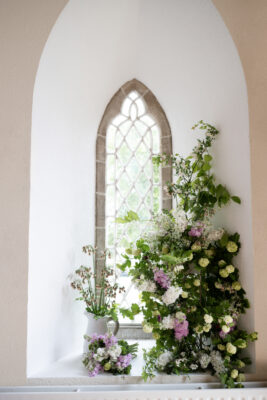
(134, 127)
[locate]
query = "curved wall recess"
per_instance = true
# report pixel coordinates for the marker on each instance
(170, 48)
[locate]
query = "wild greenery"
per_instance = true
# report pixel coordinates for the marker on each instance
(98, 289)
(185, 269)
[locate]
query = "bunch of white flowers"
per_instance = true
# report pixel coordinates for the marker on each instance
(163, 224)
(171, 295)
(101, 354)
(180, 219)
(217, 362)
(145, 285)
(114, 351)
(215, 234)
(204, 360)
(164, 358)
(167, 322)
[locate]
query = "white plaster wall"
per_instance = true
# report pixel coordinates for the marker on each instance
(182, 51)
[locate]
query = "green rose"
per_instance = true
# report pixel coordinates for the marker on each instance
(223, 273)
(107, 366)
(253, 336)
(241, 378)
(231, 247)
(231, 349)
(203, 262)
(234, 373)
(230, 269)
(236, 286)
(195, 247)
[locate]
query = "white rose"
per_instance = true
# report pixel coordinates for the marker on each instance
(208, 318)
(228, 319)
(231, 349)
(225, 328)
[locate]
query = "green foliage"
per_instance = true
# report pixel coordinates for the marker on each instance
(129, 217)
(97, 290)
(189, 283)
(195, 188)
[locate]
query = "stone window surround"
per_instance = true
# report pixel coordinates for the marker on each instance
(113, 108)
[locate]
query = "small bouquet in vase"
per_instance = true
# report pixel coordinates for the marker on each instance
(108, 354)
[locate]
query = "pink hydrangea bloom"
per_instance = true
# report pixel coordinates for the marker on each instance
(161, 278)
(181, 329)
(195, 231)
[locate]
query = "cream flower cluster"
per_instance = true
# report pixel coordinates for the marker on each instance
(171, 295)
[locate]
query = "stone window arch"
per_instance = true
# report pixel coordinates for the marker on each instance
(130, 92)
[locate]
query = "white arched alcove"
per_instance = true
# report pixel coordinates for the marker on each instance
(182, 51)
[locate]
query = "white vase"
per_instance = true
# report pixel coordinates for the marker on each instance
(98, 326)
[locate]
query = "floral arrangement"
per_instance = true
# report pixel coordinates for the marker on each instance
(184, 268)
(98, 291)
(106, 353)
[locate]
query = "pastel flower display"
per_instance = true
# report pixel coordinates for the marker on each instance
(108, 354)
(191, 295)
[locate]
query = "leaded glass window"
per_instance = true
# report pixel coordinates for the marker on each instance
(133, 129)
(132, 181)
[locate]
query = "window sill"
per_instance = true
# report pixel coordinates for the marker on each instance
(70, 371)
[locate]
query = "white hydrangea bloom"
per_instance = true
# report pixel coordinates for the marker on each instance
(101, 354)
(164, 358)
(204, 360)
(167, 322)
(145, 286)
(163, 224)
(171, 295)
(114, 351)
(180, 220)
(215, 234)
(217, 362)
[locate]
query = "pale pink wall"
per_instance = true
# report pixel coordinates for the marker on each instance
(24, 28)
(247, 23)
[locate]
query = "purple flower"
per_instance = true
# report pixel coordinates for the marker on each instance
(98, 368)
(195, 231)
(109, 340)
(124, 361)
(161, 278)
(181, 329)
